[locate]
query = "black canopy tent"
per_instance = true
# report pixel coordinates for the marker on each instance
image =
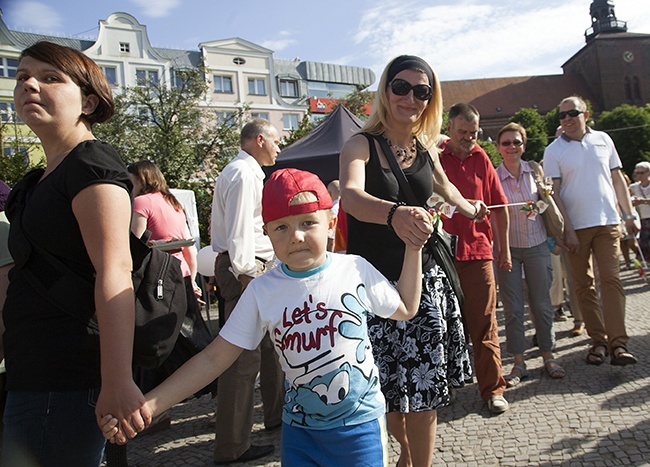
(318, 151)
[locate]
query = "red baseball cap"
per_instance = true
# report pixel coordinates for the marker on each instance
(283, 185)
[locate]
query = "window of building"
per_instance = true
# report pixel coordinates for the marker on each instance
(226, 117)
(239, 60)
(636, 88)
(628, 90)
(290, 121)
(264, 115)
(256, 86)
(8, 67)
(222, 84)
(111, 74)
(288, 88)
(333, 90)
(8, 113)
(10, 150)
(146, 77)
(125, 47)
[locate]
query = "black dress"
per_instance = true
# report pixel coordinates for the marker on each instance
(419, 359)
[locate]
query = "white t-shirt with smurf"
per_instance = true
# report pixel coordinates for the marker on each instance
(317, 321)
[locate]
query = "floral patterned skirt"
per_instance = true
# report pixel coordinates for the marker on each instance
(420, 359)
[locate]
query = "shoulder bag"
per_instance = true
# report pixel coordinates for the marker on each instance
(441, 244)
(552, 216)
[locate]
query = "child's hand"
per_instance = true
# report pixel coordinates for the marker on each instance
(109, 426)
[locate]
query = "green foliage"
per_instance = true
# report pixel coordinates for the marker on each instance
(629, 127)
(169, 127)
(16, 153)
(357, 102)
(304, 127)
(491, 150)
(535, 127)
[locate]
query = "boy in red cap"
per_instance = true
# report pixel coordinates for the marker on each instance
(314, 304)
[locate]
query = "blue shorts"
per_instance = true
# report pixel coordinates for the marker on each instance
(364, 445)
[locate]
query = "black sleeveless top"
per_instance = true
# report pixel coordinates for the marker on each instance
(376, 242)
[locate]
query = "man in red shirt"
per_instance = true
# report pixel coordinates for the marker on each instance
(469, 168)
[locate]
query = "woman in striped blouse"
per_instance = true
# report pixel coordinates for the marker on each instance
(530, 259)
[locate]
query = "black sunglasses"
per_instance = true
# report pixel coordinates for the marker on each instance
(401, 87)
(570, 113)
(516, 143)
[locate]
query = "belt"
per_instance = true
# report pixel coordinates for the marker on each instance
(261, 260)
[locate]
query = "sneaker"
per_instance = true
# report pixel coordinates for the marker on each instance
(559, 314)
(498, 404)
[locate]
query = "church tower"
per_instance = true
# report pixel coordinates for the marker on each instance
(614, 63)
(603, 20)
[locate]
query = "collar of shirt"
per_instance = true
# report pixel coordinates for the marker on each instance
(250, 160)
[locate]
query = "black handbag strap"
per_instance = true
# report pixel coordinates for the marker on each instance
(403, 182)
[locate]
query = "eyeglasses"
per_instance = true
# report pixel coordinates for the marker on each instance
(401, 87)
(516, 143)
(571, 113)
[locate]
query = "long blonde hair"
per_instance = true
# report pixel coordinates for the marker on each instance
(427, 128)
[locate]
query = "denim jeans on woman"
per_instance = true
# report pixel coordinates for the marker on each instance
(535, 263)
(52, 429)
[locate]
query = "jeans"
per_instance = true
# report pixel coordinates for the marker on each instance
(52, 429)
(536, 264)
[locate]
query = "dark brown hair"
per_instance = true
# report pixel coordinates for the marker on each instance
(82, 70)
(153, 181)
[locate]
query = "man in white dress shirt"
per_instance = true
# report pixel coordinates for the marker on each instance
(244, 252)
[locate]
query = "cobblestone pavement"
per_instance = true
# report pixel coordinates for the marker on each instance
(596, 415)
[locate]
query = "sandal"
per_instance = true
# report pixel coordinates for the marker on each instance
(594, 357)
(620, 356)
(554, 369)
(517, 374)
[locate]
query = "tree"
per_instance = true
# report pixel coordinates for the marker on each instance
(18, 148)
(535, 127)
(304, 127)
(629, 127)
(168, 126)
(358, 102)
(491, 150)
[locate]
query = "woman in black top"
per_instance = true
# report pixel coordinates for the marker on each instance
(62, 376)
(418, 359)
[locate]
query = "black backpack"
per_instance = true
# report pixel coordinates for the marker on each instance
(160, 297)
(158, 284)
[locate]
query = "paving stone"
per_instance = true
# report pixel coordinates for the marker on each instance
(596, 415)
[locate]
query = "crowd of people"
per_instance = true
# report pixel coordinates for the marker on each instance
(348, 347)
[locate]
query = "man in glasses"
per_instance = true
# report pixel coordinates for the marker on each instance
(588, 184)
(468, 167)
(640, 191)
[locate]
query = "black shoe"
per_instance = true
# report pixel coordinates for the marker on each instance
(252, 453)
(273, 427)
(559, 314)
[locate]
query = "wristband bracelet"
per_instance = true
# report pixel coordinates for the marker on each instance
(475, 212)
(630, 218)
(389, 218)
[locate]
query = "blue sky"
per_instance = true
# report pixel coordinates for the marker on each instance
(461, 39)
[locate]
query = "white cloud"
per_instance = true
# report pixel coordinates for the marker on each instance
(281, 43)
(34, 16)
(156, 8)
(470, 39)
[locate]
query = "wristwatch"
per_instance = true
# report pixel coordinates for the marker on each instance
(631, 217)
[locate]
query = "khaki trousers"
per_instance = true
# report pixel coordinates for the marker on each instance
(606, 326)
(236, 386)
